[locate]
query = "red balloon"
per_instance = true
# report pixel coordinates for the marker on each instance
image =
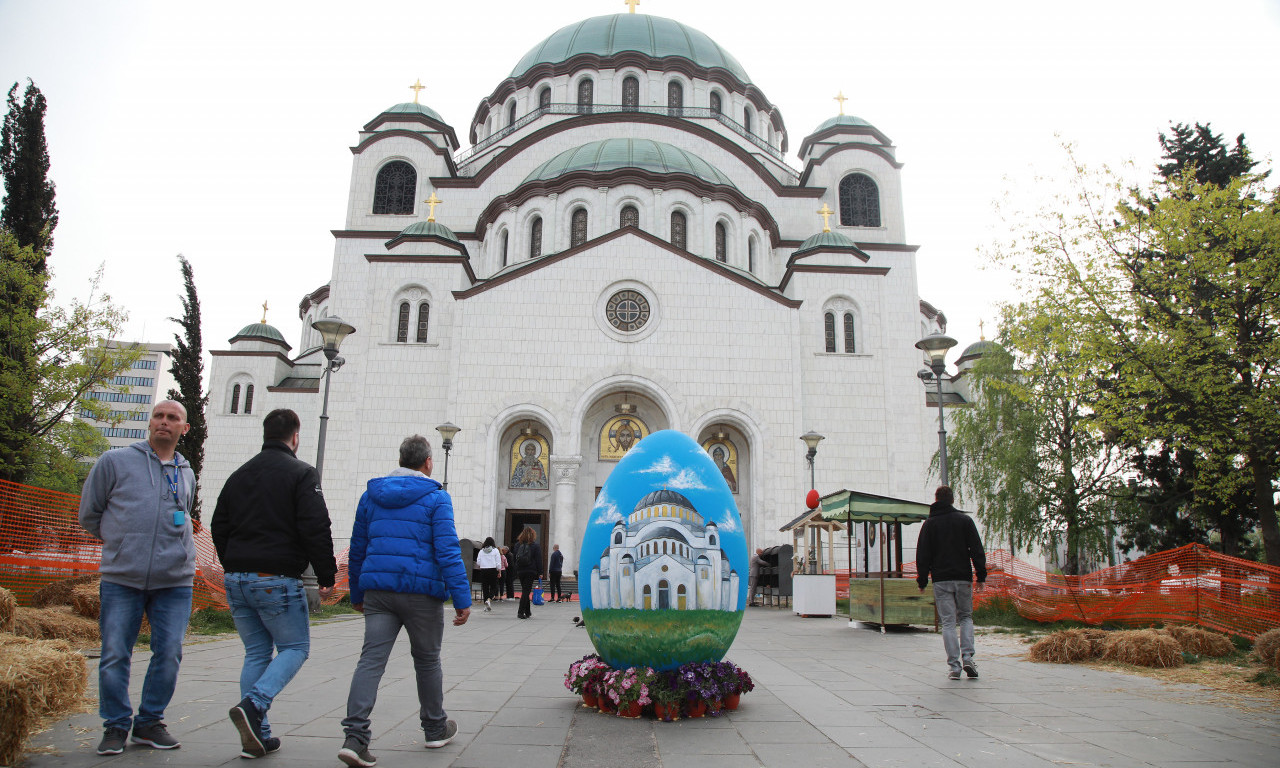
(812, 499)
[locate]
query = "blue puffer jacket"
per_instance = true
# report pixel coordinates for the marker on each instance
(404, 540)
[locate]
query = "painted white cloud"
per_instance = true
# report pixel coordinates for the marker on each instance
(674, 476)
(606, 510)
(730, 521)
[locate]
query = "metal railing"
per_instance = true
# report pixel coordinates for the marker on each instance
(705, 113)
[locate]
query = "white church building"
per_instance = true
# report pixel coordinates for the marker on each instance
(662, 556)
(625, 244)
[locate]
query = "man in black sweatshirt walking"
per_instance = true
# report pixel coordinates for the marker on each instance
(948, 543)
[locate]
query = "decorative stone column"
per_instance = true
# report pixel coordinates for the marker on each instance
(564, 531)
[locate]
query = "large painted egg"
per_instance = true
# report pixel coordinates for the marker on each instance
(664, 560)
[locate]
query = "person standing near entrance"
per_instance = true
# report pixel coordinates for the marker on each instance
(509, 572)
(137, 501)
(753, 575)
(555, 570)
(404, 562)
(948, 543)
(488, 563)
(528, 557)
(270, 523)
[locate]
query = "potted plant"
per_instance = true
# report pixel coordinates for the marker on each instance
(585, 677)
(668, 693)
(734, 681)
(629, 689)
(701, 688)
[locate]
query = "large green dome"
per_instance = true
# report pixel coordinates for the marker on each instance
(650, 35)
(612, 154)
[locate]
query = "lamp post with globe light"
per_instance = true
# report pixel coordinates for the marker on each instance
(812, 439)
(447, 430)
(333, 330)
(935, 345)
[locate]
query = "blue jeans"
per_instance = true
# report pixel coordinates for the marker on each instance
(384, 614)
(955, 607)
(120, 618)
(271, 615)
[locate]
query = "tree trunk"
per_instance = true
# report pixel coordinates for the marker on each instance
(1264, 501)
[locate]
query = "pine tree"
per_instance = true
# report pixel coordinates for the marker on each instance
(188, 370)
(29, 209)
(1199, 147)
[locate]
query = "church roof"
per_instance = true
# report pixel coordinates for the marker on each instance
(978, 349)
(826, 241)
(612, 154)
(650, 35)
(841, 120)
(663, 496)
(409, 108)
(260, 331)
(430, 229)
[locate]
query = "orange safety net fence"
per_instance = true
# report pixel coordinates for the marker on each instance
(41, 542)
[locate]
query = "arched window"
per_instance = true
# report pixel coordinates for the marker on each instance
(535, 238)
(248, 399)
(630, 94)
(630, 217)
(402, 323)
(393, 192)
(506, 240)
(424, 312)
(751, 255)
(859, 201)
(722, 243)
(235, 399)
(544, 98)
(586, 95)
(746, 119)
(675, 98)
(829, 331)
(715, 103)
(679, 225)
(849, 346)
(578, 228)
(511, 114)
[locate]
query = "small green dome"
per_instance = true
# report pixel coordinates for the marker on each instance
(849, 120)
(430, 229)
(260, 331)
(612, 154)
(980, 348)
(409, 108)
(827, 241)
(653, 36)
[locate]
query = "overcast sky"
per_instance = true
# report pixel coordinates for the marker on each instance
(222, 130)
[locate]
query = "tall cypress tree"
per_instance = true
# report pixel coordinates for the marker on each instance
(188, 370)
(29, 210)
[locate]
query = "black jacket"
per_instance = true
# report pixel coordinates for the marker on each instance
(536, 551)
(948, 542)
(271, 518)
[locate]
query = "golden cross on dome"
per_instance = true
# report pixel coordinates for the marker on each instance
(840, 97)
(826, 213)
(632, 4)
(264, 313)
(432, 201)
(416, 87)
(982, 331)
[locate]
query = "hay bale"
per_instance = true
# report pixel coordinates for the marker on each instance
(1143, 648)
(57, 623)
(1201, 642)
(1065, 647)
(59, 592)
(86, 600)
(1267, 646)
(38, 679)
(8, 606)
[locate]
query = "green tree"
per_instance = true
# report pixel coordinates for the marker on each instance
(63, 459)
(1029, 453)
(188, 370)
(1200, 148)
(29, 209)
(22, 288)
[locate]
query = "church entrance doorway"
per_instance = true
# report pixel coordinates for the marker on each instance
(519, 519)
(664, 595)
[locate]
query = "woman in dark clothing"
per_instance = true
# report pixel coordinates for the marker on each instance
(528, 562)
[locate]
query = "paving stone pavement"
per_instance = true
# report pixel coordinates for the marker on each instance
(826, 695)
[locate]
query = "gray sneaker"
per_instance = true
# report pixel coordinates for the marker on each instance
(971, 669)
(112, 741)
(446, 735)
(355, 754)
(154, 735)
(953, 674)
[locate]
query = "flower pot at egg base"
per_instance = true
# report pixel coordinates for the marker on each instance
(666, 712)
(732, 700)
(606, 705)
(697, 708)
(590, 700)
(630, 709)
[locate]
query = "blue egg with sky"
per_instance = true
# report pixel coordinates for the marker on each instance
(663, 568)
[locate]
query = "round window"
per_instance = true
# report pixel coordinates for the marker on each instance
(627, 310)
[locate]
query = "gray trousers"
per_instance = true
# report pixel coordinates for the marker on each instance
(955, 607)
(384, 614)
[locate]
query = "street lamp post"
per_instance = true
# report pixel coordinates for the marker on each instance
(936, 345)
(447, 430)
(333, 330)
(812, 439)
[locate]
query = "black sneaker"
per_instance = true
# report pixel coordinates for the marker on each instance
(248, 721)
(269, 744)
(971, 669)
(450, 730)
(154, 735)
(355, 754)
(112, 741)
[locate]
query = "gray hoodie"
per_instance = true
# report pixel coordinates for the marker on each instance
(127, 503)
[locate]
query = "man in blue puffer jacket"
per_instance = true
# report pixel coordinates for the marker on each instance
(405, 561)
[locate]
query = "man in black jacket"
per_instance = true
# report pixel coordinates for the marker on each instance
(270, 523)
(948, 543)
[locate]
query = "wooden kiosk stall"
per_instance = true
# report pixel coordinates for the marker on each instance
(881, 596)
(814, 583)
